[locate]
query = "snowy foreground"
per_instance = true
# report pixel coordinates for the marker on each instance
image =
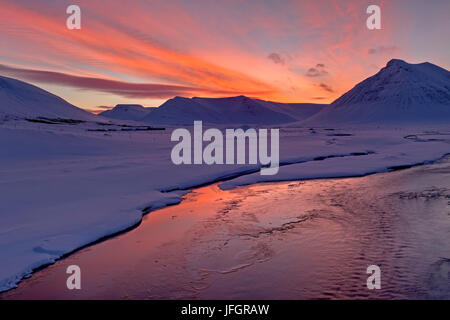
(63, 187)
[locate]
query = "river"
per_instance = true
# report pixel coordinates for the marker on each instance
(291, 240)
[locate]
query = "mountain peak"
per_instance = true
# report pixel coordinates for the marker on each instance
(129, 107)
(399, 92)
(126, 112)
(396, 62)
(402, 84)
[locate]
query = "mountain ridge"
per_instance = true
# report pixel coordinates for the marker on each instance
(399, 93)
(133, 112)
(239, 109)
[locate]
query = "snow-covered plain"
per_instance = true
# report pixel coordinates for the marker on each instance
(63, 187)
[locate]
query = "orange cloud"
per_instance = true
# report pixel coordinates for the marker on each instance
(209, 49)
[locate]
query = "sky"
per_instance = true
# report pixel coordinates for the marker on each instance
(145, 51)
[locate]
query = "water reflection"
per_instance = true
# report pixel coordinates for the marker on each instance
(297, 240)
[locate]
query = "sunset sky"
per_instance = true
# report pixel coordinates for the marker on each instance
(149, 51)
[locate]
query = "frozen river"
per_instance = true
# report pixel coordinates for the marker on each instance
(292, 240)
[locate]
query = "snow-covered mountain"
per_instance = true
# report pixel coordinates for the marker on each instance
(19, 99)
(240, 110)
(127, 112)
(298, 111)
(398, 93)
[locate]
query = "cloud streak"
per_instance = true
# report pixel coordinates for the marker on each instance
(383, 50)
(120, 88)
(326, 87)
(207, 47)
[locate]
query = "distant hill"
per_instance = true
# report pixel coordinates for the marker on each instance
(19, 99)
(398, 93)
(238, 110)
(127, 112)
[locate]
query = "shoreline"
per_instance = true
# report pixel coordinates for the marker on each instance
(187, 190)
